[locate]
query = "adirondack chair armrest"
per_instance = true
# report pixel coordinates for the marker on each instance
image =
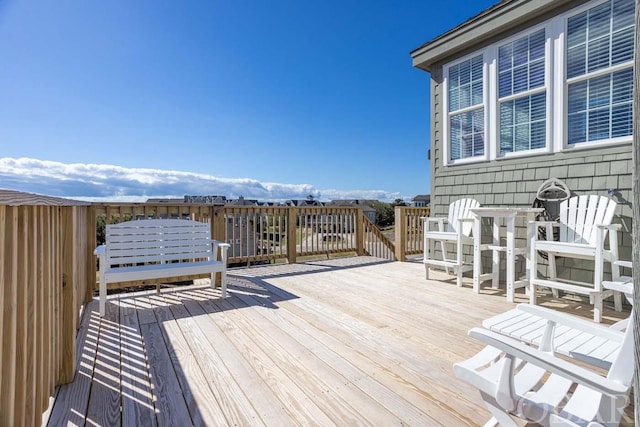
(573, 322)
(441, 221)
(612, 227)
(550, 363)
(542, 223)
(623, 263)
(100, 250)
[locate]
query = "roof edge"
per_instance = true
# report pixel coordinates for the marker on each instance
(478, 28)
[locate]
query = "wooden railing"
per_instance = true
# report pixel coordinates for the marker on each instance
(262, 233)
(259, 233)
(377, 244)
(47, 272)
(409, 231)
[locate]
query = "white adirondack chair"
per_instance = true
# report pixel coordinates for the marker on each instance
(456, 230)
(584, 225)
(519, 381)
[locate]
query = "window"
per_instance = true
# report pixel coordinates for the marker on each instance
(466, 109)
(521, 93)
(600, 72)
(564, 84)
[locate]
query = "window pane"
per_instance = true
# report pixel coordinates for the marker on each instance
(536, 74)
(577, 97)
(599, 124)
(577, 128)
(523, 123)
(505, 57)
(622, 46)
(538, 107)
(623, 11)
(478, 132)
(465, 84)
(622, 86)
(599, 21)
(621, 121)
(467, 134)
(538, 135)
(506, 127)
(599, 107)
(599, 91)
(505, 87)
(598, 54)
(576, 60)
(600, 37)
(521, 64)
(577, 30)
(536, 46)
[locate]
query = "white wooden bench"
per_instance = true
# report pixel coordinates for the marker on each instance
(157, 249)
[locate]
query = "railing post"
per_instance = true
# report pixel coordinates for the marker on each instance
(91, 239)
(69, 296)
(218, 222)
(292, 214)
(360, 235)
(401, 234)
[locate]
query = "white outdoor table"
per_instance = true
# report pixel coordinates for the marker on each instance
(506, 215)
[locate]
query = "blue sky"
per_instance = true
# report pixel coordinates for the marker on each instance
(101, 97)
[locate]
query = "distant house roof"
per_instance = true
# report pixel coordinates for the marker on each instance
(241, 201)
(502, 16)
(422, 198)
(304, 202)
(364, 204)
(19, 198)
(204, 200)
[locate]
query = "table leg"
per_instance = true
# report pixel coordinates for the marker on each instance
(477, 267)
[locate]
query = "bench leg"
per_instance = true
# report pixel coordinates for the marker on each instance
(103, 296)
(223, 278)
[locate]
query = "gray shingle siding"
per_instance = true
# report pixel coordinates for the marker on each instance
(514, 181)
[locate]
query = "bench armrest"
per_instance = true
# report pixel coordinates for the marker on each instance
(100, 250)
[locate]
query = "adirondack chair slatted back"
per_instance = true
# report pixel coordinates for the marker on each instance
(580, 214)
(458, 210)
(157, 241)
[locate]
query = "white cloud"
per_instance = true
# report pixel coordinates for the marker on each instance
(97, 182)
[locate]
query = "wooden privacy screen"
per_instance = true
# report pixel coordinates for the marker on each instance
(47, 271)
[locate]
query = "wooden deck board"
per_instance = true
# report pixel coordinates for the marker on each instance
(354, 341)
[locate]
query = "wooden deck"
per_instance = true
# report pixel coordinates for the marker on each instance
(354, 341)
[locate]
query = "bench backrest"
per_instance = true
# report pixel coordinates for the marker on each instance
(158, 241)
(580, 214)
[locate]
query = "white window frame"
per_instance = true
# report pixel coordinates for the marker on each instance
(556, 87)
(445, 103)
(563, 103)
(548, 70)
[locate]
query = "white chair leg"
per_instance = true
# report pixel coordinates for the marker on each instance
(553, 273)
(617, 301)
(597, 308)
(500, 416)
